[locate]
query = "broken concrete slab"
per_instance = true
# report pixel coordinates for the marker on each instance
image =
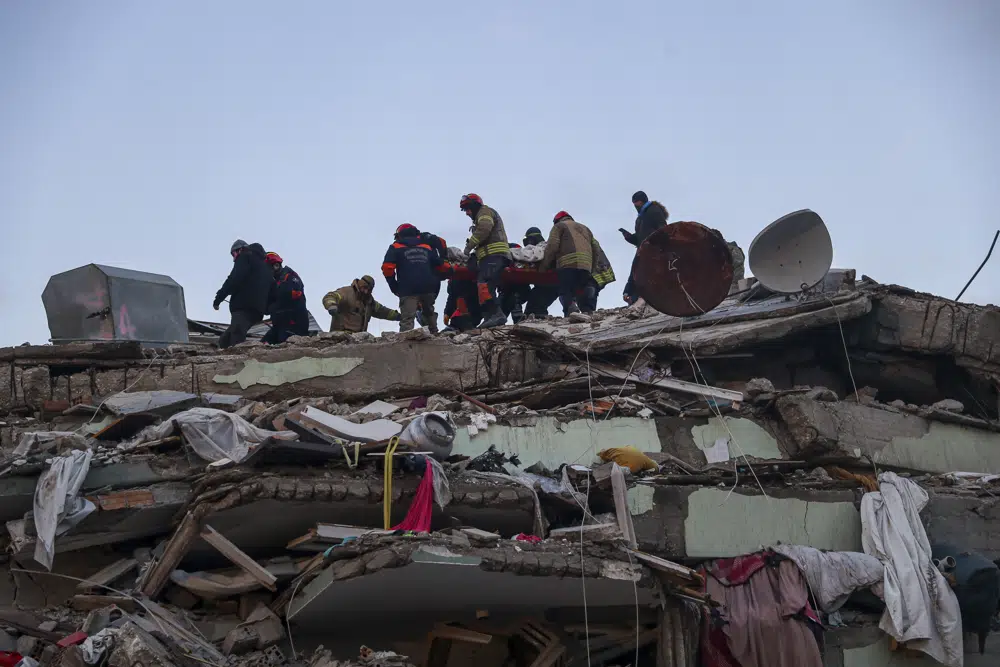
(373, 431)
(432, 578)
(386, 369)
(849, 431)
(163, 403)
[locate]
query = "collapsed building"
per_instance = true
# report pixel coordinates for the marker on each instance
(610, 485)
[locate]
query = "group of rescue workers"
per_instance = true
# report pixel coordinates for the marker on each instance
(417, 263)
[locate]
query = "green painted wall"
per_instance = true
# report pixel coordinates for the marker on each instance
(750, 439)
(554, 443)
(720, 524)
(945, 448)
(278, 373)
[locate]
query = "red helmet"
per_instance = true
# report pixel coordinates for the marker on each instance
(470, 200)
(273, 258)
(560, 215)
(403, 227)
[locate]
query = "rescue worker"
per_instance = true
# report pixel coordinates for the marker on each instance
(412, 268)
(248, 288)
(439, 246)
(652, 215)
(461, 310)
(352, 307)
(570, 249)
(601, 276)
(533, 236)
(289, 316)
(492, 255)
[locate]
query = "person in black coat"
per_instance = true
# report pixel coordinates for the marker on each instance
(248, 288)
(413, 270)
(652, 215)
(289, 316)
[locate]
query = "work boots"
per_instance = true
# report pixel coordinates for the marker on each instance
(495, 316)
(569, 306)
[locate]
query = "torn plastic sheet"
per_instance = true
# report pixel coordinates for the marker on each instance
(442, 490)
(96, 646)
(58, 505)
(541, 525)
(48, 441)
(214, 435)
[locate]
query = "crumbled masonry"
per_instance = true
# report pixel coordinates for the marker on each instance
(238, 499)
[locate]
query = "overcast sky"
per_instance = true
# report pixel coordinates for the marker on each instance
(150, 135)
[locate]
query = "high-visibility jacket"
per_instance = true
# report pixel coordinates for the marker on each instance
(488, 235)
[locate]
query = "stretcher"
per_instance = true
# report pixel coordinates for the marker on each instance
(512, 275)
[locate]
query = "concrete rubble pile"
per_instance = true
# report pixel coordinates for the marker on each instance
(596, 491)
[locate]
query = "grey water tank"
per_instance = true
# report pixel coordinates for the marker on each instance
(97, 302)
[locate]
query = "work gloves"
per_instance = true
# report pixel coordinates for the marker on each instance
(216, 303)
(629, 236)
(332, 310)
(394, 317)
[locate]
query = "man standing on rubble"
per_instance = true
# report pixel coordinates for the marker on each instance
(289, 316)
(248, 288)
(492, 255)
(413, 270)
(652, 215)
(353, 307)
(570, 249)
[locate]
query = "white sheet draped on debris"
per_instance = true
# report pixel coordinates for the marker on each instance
(58, 505)
(213, 434)
(920, 607)
(834, 575)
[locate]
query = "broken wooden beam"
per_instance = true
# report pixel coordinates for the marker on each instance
(108, 575)
(159, 573)
(670, 383)
(234, 554)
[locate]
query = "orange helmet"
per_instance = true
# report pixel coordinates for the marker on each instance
(273, 258)
(405, 227)
(560, 215)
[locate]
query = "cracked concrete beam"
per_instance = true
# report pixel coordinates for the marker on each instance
(923, 323)
(278, 373)
(847, 430)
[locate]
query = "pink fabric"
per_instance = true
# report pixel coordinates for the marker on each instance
(765, 613)
(418, 518)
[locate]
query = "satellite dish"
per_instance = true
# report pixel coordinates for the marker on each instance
(683, 269)
(793, 253)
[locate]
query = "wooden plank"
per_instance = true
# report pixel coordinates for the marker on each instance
(233, 553)
(667, 566)
(184, 633)
(91, 602)
(108, 575)
(454, 633)
(182, 539)
(671, 383)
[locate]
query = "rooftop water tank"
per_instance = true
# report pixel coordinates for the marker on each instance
(97, 302)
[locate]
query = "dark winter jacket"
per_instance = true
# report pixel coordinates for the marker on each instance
(288, 293)
(412, 267)
(436, 243)
(249, 283)
(652, 216)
